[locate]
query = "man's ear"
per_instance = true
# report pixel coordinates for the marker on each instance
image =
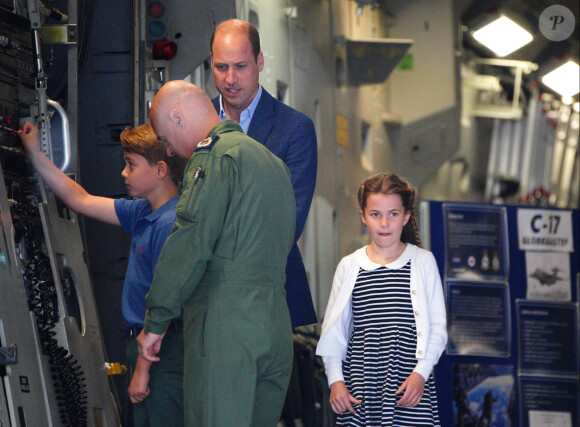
(177, 118)
(260, 61)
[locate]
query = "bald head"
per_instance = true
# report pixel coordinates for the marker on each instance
(182, 115)
(238, 27)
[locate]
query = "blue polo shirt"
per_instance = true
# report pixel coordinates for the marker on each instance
(148, 231)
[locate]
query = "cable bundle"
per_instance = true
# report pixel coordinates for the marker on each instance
(67, 376)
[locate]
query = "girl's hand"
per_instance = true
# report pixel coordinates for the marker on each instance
(340, 399)
(413, 387)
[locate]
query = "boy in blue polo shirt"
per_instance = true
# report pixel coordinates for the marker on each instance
(151, 177)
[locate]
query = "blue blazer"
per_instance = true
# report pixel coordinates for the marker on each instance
(290, 135)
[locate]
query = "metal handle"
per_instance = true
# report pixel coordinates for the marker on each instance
(65, 132)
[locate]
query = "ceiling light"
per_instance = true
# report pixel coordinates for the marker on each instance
(567, 100)
(564, 79)
(502, 36)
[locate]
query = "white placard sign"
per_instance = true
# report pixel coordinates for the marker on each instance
(545, 230)
(548, 276)
(550, 419)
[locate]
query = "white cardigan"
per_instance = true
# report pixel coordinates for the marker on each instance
(426, 297)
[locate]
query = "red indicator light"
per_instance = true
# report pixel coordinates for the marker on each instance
(156, 10)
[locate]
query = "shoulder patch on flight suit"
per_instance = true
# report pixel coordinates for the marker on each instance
(207, 142)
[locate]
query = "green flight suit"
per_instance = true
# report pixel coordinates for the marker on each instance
(224, 263)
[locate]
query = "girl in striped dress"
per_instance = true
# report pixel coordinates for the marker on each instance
(385, 324)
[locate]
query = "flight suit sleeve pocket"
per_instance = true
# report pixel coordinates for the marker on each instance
(227, 243)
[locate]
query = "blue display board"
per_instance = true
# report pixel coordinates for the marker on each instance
(546, 343)
(484, 362)
(475, 242)
(548, 401)
(478, 318)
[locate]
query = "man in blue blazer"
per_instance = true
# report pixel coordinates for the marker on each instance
(236, 61)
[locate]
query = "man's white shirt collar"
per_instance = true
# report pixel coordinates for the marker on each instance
(247, 114)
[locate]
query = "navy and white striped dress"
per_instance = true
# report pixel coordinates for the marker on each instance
(381, 351)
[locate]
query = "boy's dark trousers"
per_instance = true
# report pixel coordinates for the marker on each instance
(164, 405)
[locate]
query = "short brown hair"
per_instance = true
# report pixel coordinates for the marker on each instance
(237, 25)
(143, 140)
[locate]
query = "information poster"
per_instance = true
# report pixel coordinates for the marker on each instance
(478, 318)
(548, 402)
(545, 230)
(483, 395)
(475, 242)
(547, 338)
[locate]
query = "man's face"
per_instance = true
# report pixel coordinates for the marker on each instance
(235, 71)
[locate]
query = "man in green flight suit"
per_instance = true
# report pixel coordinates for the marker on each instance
(224, 263)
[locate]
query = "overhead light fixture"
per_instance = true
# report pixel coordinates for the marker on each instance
(567, 100)
(502, 36)
(564, 79)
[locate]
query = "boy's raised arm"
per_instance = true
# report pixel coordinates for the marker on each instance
(71, 193)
